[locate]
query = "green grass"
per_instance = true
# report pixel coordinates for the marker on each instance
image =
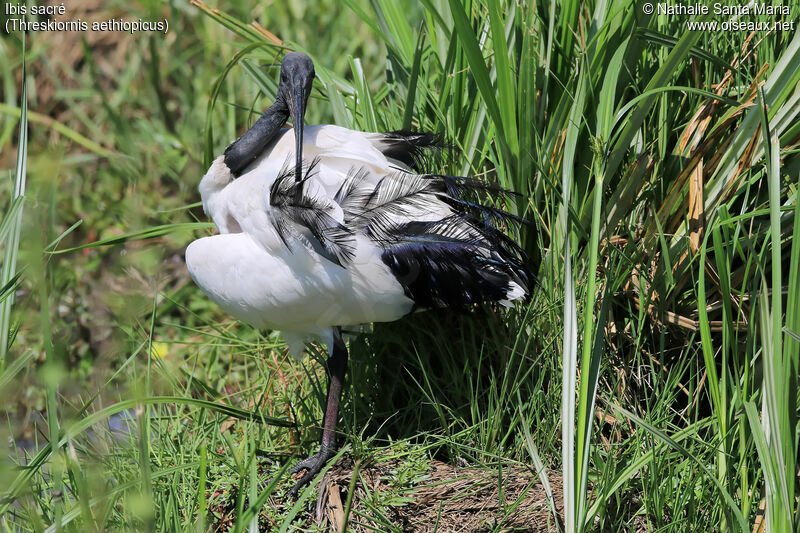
(654, 371)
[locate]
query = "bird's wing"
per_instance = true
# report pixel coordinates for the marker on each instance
(354, 201)
(440, 242)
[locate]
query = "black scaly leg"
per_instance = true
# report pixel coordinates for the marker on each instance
(337, 366)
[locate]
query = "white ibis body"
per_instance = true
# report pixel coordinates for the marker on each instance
(350, 233)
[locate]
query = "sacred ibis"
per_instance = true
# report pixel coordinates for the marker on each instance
(329, 227)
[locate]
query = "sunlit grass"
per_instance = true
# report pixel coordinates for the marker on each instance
(653, 374)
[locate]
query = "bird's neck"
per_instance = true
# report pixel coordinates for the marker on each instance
(251, 144)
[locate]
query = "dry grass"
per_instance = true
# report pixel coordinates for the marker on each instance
(447, 499)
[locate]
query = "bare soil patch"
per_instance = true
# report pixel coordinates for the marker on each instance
(447, 499)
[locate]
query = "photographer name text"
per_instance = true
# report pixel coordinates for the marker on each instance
(718, 8)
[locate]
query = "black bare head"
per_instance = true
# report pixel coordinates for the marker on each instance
(294, 88)
(297, 78)
(297, 71)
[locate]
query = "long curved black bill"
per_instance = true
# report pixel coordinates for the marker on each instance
(298, 110)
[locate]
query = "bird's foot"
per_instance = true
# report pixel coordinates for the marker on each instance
(312, 465)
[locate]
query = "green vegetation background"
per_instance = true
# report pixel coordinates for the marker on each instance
(654, 371)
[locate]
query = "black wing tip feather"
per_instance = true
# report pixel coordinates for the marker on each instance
(421, 139)
(454, 262)
(454, 274)
(411, 147)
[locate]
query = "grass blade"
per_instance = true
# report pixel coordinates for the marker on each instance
(778, 399)
(14, 225)
(138, 235)
(663, 437)
(664, 73)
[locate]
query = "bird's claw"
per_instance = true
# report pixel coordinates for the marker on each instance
(312, 464)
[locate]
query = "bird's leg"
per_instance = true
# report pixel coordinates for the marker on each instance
(337, 366)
